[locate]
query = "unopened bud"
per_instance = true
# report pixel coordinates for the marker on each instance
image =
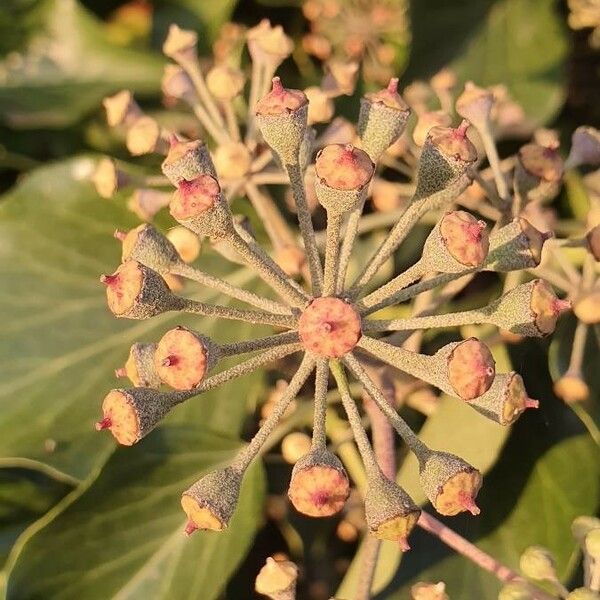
(382, 119)
(269, 44)
(506, 399)
(340, 77)
(571, 387)
(593, 242)
(187, 160)
(183, 358)
(144, 137)
(148, 246)
(391, 513)
(587, 307)
(146, 203)
(581, 526)
(585, 147)
(180, 43)
(537, 563)
(426, 121)
(132, 414)
(225, 82)
(121, 109)
(346, 531)
(515, 591)
(108, 179)
(177, 84)
(320, 105)
(541, 162)
(516, 246)
(450, 483)
(471, 369)
(319, 485)
(294, 446)
(277, 579)
(232, 160)
(282, 117)
(429, 591)
(343, 174)
(186, 243)
(475, 104)
(200, 206)
(583, 594)
(592, 544)
(139, 367)
(136, 292)
(291, 259)
(211, 501)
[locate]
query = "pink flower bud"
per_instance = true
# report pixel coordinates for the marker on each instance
(280, 100)
(543, 162)
(454, 143)
(344, 167)
(187, 160)
(475, 104)
(585, 147)
(471, 369)
(465, 237)
(329, 327)
(195, 197)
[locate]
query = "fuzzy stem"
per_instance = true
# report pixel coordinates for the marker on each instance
(349, 237)
(398, 423)
(267, 269)
(457, 319)
(275, 225)
(306, 227)
(232, 123)
(491, 152)
(332, 253)
(237, 314)
(408, 220)
(256, 78)
(204, 118)
(385, 295)
(476, 555)
(319, 438)
(578, 348)
(247, 366)
(271, 341)
(270, 177)
(245, 456)
(223, 286)
(360, 436)
(369, 556)
(261, 161)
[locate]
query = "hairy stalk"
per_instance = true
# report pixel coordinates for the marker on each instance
(369, 555)
(332, 254)
(271, 341)
(398, 423)
(306, 227)
(245, 456)
(204, 118)
(270, 177)
(220, 285)
(319, 438)
(578, 348)
(349, 237)
(232, 124)
(491, 152)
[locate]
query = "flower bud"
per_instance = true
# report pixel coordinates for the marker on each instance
(506, 399)
(291, 259)
(387, 196)
(132, 414)
(450, 483)
(429, 591)
(329, 327)
(426, 121)
(531, 309)
(571, 387)
(180, 44)
(148, 246)
(391, 513)
(593, 242)
(446, 155)
(539, 171)
(121, 109)
(186, 243)
(144, 137)
(232, 160)
(282, 117)
(268, 44)
(516, 246)
(515, 591)
(146, 203)
(346, 531)
(225, 82)
(475, 104)
(592, 544)
(210, 502)
(459, 241)
(340, 77)
(319, 485)
(177, 84)
(581, 526)
(343, 176)
(187, 160)
(585, 147)
(583, 594)
(320, 105)
(587, 307)
(471, 369)
(200, 206)
(137, 292)
(294, 446)
(418, 95)
(139, 367)
(108, 179)
(382, 119)
(537, 563)
(277, 579)
(183, 358)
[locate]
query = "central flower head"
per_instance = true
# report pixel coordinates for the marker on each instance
(329, 327)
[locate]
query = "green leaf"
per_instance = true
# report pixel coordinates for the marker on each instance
(519, 43)
(60, 344)
(123, 537)
(67, 67)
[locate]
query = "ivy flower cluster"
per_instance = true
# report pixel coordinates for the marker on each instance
(330, 320)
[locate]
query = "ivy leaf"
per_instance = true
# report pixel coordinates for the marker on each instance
(123, 537)
(519, 43)
(60, 344)
(67, 67)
